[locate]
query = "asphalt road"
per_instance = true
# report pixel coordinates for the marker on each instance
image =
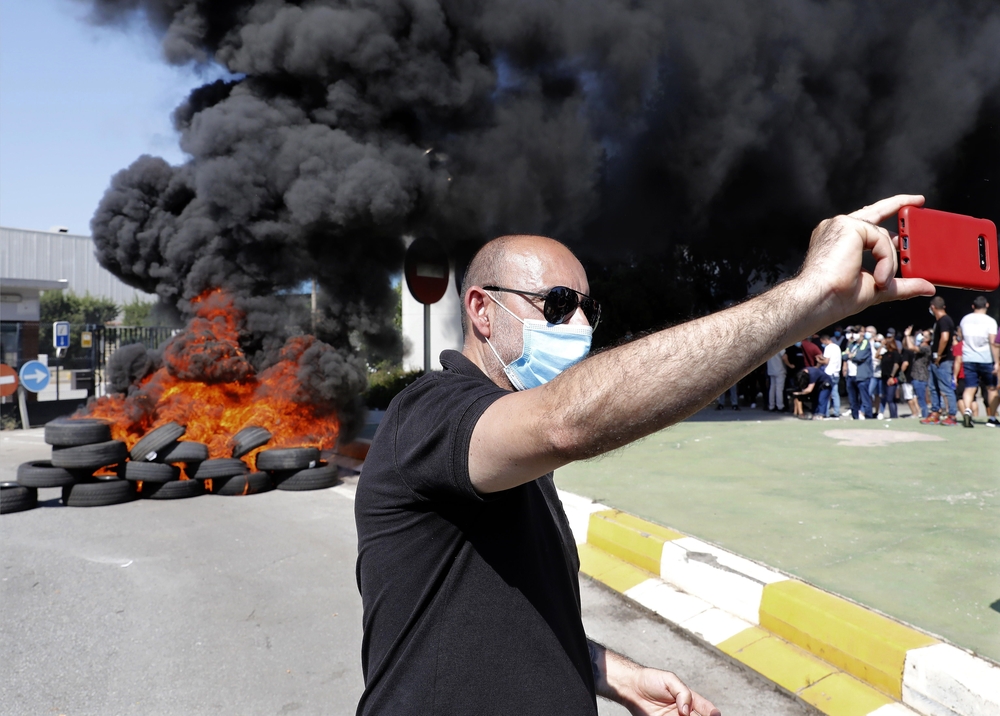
(234, 605)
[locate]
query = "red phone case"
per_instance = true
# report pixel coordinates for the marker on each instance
(948, 249)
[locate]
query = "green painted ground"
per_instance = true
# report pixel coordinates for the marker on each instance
(909, 528)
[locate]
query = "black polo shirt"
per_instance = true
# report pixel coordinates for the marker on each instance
(471, 603)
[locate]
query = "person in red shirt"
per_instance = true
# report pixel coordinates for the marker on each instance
(959, 372)
(811, 352)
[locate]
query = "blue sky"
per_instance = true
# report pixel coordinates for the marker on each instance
(77, 103)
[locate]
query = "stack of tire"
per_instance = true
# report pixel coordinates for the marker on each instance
(93, 470)
(297, 469)
(231, 476)
(85, 464)
(155, 464)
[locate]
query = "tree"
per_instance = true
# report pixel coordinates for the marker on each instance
(79, 311)
(137, 313)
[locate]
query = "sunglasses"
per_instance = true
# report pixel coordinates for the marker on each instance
(561, 303)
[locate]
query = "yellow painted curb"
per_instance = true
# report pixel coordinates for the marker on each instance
(841, 658)
(615, 573)
(784, 664)
(861, 642)
(629, 538)
(840, 694)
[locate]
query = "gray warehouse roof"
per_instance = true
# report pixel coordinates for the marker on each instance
(48, 256)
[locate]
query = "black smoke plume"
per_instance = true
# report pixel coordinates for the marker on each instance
(694, 142)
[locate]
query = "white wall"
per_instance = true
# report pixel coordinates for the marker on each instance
(446, 326)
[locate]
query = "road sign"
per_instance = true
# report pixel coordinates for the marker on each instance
(8, 380)
(60, 334)
(86, 339)
(426, 270)
(35, 376)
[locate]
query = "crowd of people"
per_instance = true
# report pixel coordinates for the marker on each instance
(941, 372)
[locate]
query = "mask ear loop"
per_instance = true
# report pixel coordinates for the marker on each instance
(499, 359)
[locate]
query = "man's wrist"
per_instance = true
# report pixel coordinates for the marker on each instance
(615, 676)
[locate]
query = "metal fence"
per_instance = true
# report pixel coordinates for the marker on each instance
(108, 339)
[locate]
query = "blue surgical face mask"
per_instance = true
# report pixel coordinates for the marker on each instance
(549, 349)
(919, 339)
(868, 335)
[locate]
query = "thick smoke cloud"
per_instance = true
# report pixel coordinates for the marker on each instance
(130, 364)
(712, 132)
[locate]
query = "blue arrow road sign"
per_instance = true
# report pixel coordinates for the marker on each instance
(34, 376)
(60, 334)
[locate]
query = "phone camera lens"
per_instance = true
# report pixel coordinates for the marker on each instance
(982, 252)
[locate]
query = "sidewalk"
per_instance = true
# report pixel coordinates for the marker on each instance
(835, 655)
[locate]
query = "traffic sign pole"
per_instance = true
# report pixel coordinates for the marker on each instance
(23, 405)
(427, 338)
(426, 269)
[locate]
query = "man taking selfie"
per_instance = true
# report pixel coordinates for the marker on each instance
(467, 566)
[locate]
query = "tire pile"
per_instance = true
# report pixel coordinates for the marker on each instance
(94, 470)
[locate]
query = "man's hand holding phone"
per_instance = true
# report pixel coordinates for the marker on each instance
(833, 265)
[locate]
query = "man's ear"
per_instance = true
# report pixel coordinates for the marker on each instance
(476, 301)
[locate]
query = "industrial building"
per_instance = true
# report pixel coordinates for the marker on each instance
(36, 261)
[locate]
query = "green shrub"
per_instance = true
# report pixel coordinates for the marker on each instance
(385, 383)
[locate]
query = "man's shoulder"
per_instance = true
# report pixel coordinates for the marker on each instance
(981, 319)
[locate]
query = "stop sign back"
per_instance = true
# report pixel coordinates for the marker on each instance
(426, 270)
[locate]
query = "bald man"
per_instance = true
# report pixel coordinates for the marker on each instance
(467, 566)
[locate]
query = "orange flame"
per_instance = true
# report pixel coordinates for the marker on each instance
(208, 385)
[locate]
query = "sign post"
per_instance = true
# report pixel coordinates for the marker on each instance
(35, 377)
(60, 341)
(426, 269)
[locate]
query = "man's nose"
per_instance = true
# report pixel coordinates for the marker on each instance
(578, 318)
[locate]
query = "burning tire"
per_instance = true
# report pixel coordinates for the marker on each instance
(288, 459)
(219, 467)
(99, 492)
(314, 478)
(89, 456)
(183, 451)
(172, 490)
(249, 438)
(71, 433)
(155, 440)
(17, 498)
(250, 484)
(41, 473)
(152, 472)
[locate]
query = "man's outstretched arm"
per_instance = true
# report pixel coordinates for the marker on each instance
(623, 394)
(644, 691)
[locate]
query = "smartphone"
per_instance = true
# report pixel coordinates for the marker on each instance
(948, 249)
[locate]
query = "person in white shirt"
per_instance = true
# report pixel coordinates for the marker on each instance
(833, 361)
(980, 357)
(777, 371)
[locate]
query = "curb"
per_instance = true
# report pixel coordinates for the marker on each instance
(838, 656)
